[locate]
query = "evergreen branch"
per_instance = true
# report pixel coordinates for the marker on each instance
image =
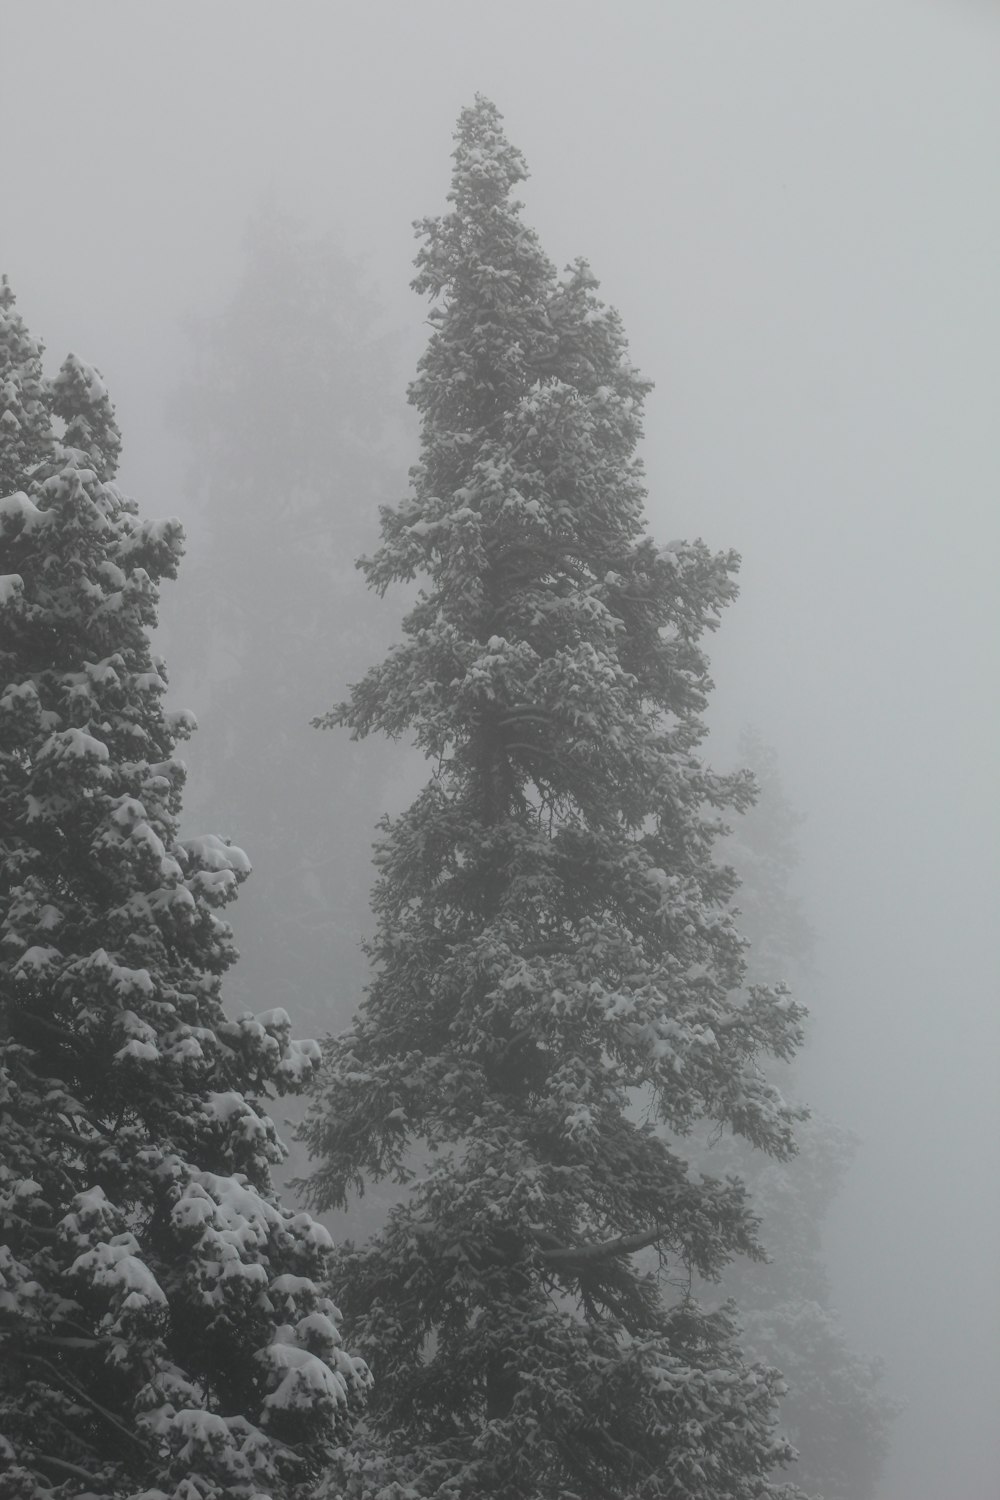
(68, 1384)
(42, 1023)
(527, 710)
(520, 715)
(62, 1466)
(625, 1244)
(28, 1228)
(73, 1138)
(54, 1342)
(531, 749)
(75, 1437)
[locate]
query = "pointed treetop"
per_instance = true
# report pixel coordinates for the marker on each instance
(486, 164)
(25, 438)
(80, 398)
(481, 241)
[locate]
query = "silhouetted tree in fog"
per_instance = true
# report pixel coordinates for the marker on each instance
(165, 1324)
(291, 449)
(835, 1412)
(554, 941)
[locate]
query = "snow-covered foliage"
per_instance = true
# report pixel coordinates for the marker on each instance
(80, 398)
(165, 1324)
(555, 955)
(24, 418)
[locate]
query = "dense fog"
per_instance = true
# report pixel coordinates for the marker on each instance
(794, 209)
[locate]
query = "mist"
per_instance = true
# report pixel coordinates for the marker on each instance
(794, 209)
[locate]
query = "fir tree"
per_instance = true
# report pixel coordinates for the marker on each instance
(165, 1324)
(555, 963)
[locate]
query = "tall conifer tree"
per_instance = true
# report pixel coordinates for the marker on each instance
(555, 965)
(165, 1326)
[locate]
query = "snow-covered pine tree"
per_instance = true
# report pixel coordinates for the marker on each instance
(165, 1324)
(555, 964)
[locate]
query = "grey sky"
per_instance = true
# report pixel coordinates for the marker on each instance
(795, 208)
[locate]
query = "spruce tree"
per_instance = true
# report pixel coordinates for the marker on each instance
(165, 1324)
(555, 965)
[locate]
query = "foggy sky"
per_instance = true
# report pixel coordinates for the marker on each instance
(795, 208)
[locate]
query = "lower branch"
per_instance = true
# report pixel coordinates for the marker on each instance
(624, 1244)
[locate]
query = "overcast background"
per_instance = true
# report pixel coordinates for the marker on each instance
(795, 208)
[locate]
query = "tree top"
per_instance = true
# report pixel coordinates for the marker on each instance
(486, 164)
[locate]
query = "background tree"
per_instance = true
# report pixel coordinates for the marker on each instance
(835, 1411)
(165, 1324)
(291, 448)
(554, 949)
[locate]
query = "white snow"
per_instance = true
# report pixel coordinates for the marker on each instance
(114, 1265)
(35, 959)
(19, 507)
(210, 852)
(73, 744)
(305, 1377)
(140, 1051)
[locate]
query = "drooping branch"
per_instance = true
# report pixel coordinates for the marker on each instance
(530, 749)
(516, 715)
(61, 1466)
(624, 1244)
(61, 1378)
(54, 1342)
